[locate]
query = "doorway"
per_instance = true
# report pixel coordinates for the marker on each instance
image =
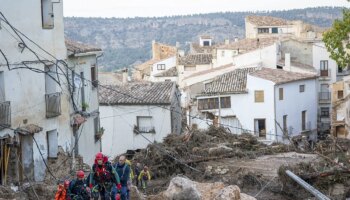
(260, 127)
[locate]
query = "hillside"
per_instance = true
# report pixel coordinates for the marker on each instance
(127, 42)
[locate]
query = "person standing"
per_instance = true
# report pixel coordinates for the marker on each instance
(78, 188)
(144, 177)
(123, 170)
(138, 169)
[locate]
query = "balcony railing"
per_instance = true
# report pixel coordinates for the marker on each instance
(5, 115)
(53, 104)
(324, 96)
(324, 74)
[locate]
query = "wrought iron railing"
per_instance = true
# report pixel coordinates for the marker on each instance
(53, 104)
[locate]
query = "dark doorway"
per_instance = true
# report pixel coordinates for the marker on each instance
(260, 127)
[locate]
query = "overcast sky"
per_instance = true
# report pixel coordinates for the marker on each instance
(150, 8)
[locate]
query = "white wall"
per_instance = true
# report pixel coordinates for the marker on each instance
(169, 63)
(119, 122)
(226, 58)
(25, 89)
(320, 53)
(293, 103)
(267, 56)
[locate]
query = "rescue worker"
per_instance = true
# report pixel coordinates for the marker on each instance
(102, 178)
(123, 170)
(62, 190)
(144, 177)
(138, 169)
(78, 189)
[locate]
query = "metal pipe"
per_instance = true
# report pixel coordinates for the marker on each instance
(307, 186)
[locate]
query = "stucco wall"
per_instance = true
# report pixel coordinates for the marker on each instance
(119, 122)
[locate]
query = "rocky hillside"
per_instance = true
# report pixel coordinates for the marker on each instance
(127, 42)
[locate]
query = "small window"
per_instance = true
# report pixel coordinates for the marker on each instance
(222, 53)
(280, 94)
(208, 104)
(325, 112)
(263, 30)
(206, 43)
(303, 120)
(259, 96)
(324, 65)
(47, 14)
(144, 124)
(340, 94)
(225, 102)
(301, 88)
(52, 143)
(160, 66)
(93, 76)
(274, 30)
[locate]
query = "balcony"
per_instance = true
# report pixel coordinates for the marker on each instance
(5, 115)
(324, 97)
(53, 104)
(324, 75)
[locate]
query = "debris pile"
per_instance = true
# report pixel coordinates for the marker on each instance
(178, 153)
(330, 173)
(182, 188)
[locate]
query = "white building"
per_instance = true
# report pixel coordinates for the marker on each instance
(264, 102)
(137, 114)
(82, 59)
(31, 102)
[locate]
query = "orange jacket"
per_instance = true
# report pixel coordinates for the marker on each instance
(61, 193)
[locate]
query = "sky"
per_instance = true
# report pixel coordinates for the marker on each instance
(157, 8)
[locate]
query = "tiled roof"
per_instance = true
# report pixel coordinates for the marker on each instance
(249, 44)
(137, 93)
(267, 21)
(298, 65)
(74, 47)
(196, 59)
(110, 78)
(168, 73)
(209, 70)
(280, 76)
(231, 82)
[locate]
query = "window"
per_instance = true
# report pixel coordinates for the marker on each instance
(301, 88)
(325, 112)
(263, 30)
(144, 124)
(303, 120)
(225, 102)
(206, 43)
(259, 96)
(94, 76)
(274, 30)
(324, 68)
(52, 143)
(47, 14)
(340, 94)
(222, 53)
(285, 123)
(213, 103)
(280, 93)
(160, 66)
(260, 127)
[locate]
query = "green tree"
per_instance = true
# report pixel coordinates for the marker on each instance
(337, 40)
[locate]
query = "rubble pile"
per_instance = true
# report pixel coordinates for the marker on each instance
(330, 173)
(181, 188)
(170, 157)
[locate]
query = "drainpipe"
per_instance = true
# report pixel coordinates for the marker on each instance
(274, 112)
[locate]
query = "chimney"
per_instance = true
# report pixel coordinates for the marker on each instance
(181, 53)
(125, 75)
(287, 60)
(155, 52)
(227, 41)
(236, 39)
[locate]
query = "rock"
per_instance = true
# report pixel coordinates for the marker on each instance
(135, 194)
(181, 188)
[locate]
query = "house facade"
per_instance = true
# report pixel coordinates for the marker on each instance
(82, 59)
(35, 102)
(138, 114)
(259, 101)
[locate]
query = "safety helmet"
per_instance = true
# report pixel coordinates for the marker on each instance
(80, 174)
(99, 156)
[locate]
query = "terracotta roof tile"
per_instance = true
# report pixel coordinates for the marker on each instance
(137, 93)
(267, 21)
(196, 59)
(74, 47)
(280, 76)
(231, 82)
